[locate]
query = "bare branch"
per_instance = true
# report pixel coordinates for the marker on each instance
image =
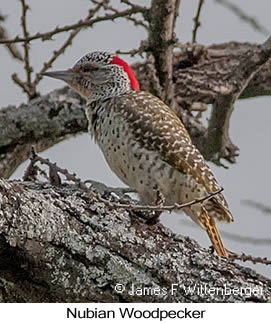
(55, 168)
(143, 47)
(245, 17)
(55, 55)
(137, 8)
(12, 48)
(134, 6)
(25, 45)
(162, 20)
(255, 260)
(79, 24)
(218, 77)
(31, 171)
(21, 84)
(169, 208)
(217, 136)
(54, 178)
(28, 88)
(64, 46)
(197, 22)
(131, 52)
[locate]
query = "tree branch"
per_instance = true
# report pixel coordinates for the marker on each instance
(79, 24)
(43, 123)
(75, 241)
(244, 16)
(28, 68)
(218, 143)
(12, 48)
(162, 20)
(196, 21)
(220, 81)
(161, 208)
(64, 46)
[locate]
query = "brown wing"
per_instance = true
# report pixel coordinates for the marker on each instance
(158, 128)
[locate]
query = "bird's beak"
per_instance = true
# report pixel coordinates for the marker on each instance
(66, 76)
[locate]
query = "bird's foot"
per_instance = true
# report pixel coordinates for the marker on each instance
(154, 219)
(102, 188)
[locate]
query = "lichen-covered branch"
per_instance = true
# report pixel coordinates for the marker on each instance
(42, 123)
(60, 244)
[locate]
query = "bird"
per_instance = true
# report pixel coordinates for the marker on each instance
(144, 142)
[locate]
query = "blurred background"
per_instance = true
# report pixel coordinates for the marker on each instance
(249, 179)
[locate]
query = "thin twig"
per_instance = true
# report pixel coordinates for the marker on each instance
(161, 208)
(56, 54)
(255, 260)
(73, 178)
(79, 24)
(69, 176)
(245, 17)
(30, 172)
(143, 47)
(64, 46)
(132, 5)
(28, 69)
(131, 52)
(33, 169)
(19, 82)
(197, 22)
(42, 172)
(12, 48)
(136, 22)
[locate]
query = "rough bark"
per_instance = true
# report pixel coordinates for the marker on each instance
(201, 76)
(162, 19)
(60, 244)
(43, 122)
(217, 75)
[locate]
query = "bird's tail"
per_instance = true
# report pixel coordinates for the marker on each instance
(208, 224)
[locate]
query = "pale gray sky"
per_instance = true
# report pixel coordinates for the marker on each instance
(250, 124)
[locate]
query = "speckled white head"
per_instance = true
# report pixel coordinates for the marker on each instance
(98, 76)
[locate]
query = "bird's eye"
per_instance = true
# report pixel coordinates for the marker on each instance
(89, 68)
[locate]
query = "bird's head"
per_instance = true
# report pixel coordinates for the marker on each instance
(98, 75)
